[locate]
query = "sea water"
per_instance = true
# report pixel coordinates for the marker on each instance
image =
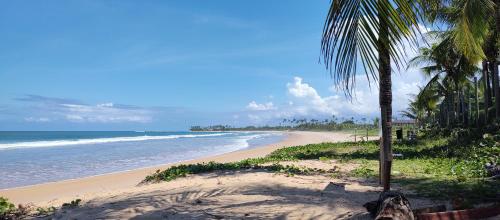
(34, 157)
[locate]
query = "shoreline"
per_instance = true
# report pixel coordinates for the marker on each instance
(55, 193)
(159, 166)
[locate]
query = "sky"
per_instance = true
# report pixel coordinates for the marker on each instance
(168, 65)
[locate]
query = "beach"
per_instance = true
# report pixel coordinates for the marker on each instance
(253, 193)
(56, 193)
(250, 110)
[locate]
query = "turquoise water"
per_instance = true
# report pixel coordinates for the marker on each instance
(33, 157)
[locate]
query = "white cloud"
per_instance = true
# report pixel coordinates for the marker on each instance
(37, 119)
(104, 113)
(306, 101)
(254, 106)
(309, 97)
(109, 104)
(57, 109)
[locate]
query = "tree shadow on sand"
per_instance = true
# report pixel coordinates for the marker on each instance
(266, 200)
(233, 201)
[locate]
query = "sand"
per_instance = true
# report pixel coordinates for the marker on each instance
(238, 195)
(56, 193)
(253, 194)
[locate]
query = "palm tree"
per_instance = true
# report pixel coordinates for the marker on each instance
(423, 105)
(412, 111)
(376, 31)
(486, 92)
(476, 33)
(448, 71)
(496, 78)
(491, 50)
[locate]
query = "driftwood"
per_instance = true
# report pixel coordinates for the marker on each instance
(390, 205)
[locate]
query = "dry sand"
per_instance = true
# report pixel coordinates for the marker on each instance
(238, 195)
(254, 194)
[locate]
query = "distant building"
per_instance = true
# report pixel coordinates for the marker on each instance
(408, 122)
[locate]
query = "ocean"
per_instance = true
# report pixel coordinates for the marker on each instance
(34, 157)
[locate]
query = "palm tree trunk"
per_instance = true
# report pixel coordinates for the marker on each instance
(385, 99)
(457, 105)
(451, 106)
(469, 108)
(496, 89)
(444, 115)
(496, 86)
(457, 118)
(495, 92)
(476, 87)
(463, 104)
(486, 91)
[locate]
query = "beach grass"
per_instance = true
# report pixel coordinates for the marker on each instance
(183, 170)
(437, 167)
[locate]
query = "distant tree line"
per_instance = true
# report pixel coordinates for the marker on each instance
(303, 124)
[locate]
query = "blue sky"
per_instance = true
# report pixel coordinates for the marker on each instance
(166, 65)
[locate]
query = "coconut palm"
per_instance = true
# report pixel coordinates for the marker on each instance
(448, 70)
(412, 111)
(476, 34)
(428, 99)
(423, 105)
(495, 49)
(375, 31)
(469, 25)
(490, 66)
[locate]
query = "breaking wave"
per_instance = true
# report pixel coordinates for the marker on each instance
(33, 144)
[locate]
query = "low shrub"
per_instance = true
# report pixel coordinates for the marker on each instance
(6, 208)
(72, 204)
(183, 170)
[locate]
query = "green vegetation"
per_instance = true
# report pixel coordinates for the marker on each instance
(363, 171)
(442, 164)
(6, 208)
(10, 211)
(332, 124)
(41, 211)
(175, 172)
(72, 204)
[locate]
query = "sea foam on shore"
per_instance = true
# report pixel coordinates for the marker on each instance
(38, 157)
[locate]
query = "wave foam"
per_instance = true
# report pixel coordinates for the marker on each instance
(34, 144)
(242, 141)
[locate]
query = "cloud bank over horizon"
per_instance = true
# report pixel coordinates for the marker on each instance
(56, 109)
(302, 101)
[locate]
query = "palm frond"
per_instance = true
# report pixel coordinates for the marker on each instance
(470, 27)
(351, 31)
